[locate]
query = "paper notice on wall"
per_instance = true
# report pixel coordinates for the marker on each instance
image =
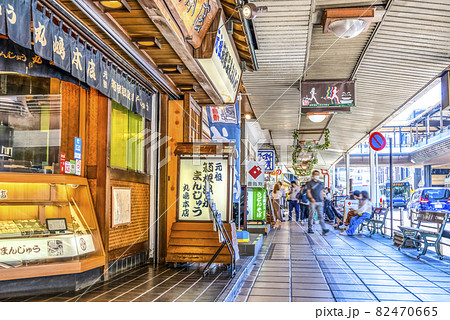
(78, 167)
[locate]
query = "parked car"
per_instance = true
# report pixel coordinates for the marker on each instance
(429, 199)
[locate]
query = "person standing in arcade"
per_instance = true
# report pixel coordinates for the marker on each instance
(314, 189)
(294, 203)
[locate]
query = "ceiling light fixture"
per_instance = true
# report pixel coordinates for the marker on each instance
(348, 28)
(248, 116)
(347, 23)
(118, 5)
(316, 117)
(188, 88)
(250, 10)
(171, 69)
(146, 42)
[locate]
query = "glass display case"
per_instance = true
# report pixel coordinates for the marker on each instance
(47, 222)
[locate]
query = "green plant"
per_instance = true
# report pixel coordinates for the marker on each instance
(299, 148)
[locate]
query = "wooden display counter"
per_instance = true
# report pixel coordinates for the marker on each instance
(50, 227)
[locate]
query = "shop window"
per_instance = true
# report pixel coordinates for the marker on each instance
(206, 135)
(195, 125)
(30, 123)
(127, 139)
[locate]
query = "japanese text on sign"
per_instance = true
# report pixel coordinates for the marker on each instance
(193, 204)
(268, 156)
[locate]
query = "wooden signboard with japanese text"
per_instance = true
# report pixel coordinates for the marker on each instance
(194, 17)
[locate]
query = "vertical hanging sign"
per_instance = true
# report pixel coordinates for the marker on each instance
(61, 48)
(18, 21)
(78, 59)
(227, 129)
(105, 77)
(93, 68)
(2, 17)
(42, 33)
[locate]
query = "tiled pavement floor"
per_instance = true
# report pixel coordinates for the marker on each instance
(149, 283)
(296, 266)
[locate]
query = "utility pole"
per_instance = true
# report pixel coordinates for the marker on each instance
(391, 182)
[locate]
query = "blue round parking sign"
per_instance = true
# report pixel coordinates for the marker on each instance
(377, 141)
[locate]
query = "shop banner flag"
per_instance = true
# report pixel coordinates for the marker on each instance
(78, 59)
(2, 17)
(228, 130)
(142, 101)
(136, 105)
(148, 105)
(15, 58)
(18, 19)
(93, 68)
(61, 47)
(105, 77)
(113, 87)
(119, 82)
(42, 33)
(125, 95)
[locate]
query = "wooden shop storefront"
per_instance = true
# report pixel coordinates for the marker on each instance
(75, 156)
(216, 57)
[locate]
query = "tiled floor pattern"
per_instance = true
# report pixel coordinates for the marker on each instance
(148, 283)
(296, 266)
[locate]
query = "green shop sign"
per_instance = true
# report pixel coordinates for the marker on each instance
(259, 204)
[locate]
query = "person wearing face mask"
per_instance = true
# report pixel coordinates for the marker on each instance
(314, 189)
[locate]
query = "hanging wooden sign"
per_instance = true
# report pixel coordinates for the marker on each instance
(193, 17)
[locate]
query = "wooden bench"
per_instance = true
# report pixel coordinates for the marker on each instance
(430, 226)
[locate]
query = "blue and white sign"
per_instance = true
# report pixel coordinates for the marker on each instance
(77, 148)
(268, 156)
(228, 131)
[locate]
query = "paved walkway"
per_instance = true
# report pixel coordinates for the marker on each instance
(296, 266)
(149, 283)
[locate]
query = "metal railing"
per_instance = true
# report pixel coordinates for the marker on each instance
(223, 235)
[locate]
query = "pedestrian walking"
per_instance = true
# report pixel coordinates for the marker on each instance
(276, 197)
(304, 204)
(294, 203)
(314, 188)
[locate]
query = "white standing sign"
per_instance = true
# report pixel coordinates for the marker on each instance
(255, 174)
(194, 174)
(350, 204)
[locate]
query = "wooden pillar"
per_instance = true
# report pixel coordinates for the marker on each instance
(186, 117)
(162, 167)
(172, 131)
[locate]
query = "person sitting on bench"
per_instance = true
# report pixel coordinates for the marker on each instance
(363, 213)
(355, 195)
